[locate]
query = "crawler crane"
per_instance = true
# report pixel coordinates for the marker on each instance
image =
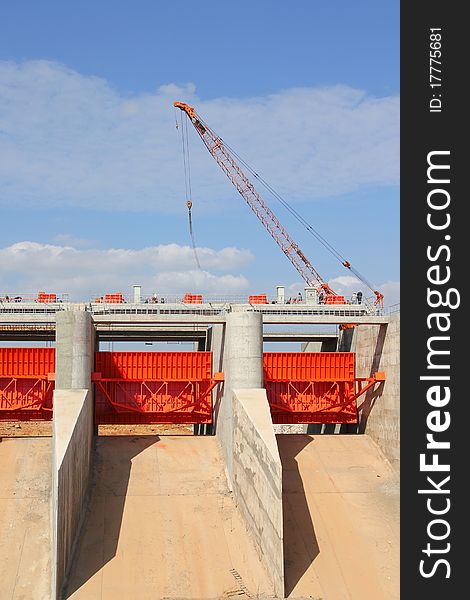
(226, 160)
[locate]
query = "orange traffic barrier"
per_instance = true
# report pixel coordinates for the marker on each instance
(113, 298)
(43, 297)
(192, 298)
(335, 300)
(260, 299)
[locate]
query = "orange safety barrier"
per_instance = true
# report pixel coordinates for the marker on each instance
(43, 297)
(154, 387)
(192, 298)
(113, 298)
(26, 383)
(260, 299)
(335, 300)
(314, 387)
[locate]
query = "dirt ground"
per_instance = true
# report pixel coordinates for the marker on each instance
(106, 430)
(12, 429)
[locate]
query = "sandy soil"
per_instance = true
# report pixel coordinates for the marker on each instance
(44, 428)
(107, 430)
(25, 429)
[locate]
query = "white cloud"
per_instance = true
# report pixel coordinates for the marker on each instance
(344, 282)
(72, 140)
(391, 291)
(28, 267)
(66, 239)
(348, 285)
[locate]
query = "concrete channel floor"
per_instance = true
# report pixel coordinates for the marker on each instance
(341, 518)
(161, 524)
(25, 487)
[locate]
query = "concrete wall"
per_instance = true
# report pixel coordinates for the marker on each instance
(257, 479)
(71, 470)
(243, 367)
(378, 349)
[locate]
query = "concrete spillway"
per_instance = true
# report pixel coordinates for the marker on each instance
(25, 546)
(243, 513)
(161, 522)
(341, 518)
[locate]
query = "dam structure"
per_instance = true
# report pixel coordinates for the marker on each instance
(223, 470)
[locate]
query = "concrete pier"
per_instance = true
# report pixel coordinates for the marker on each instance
(73, 432)
(75, 343)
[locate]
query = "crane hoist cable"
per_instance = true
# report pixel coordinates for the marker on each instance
(187, 183)
(225, 157)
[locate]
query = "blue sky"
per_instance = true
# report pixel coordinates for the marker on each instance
(91, 178)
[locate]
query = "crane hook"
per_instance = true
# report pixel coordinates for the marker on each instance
(189, 204)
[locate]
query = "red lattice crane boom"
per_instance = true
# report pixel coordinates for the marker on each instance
(232, 169)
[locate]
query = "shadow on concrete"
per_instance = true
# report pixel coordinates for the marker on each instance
(219, 391)
(99, 536)
(300, 542)
(370, 397)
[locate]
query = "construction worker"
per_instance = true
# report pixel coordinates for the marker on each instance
(359, 297)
